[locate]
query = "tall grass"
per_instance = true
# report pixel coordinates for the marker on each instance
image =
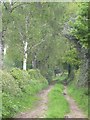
(80, 95)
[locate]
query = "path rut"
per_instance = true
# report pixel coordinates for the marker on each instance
(41, 108)
(75, 112)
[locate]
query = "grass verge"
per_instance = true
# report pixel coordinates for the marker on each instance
(58, 106)
(80, 96)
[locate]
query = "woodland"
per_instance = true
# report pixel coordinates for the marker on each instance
(44, 44)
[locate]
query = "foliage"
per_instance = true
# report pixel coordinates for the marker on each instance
(58, 106)
(80, 94)
(19, 89)
(81, 75)
(35, 75)
(61, 78)
(43, 34)
(9, 85)
(40, 25)
(80, 26)
(49, 75)
(79, 29)
(71, 57)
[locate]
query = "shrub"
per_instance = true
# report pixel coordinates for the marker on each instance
(18, 85)
(9, 85)
(21, 77)
(36, 77)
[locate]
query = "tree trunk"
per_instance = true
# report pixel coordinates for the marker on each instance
(69, 70)
(25, 56)
(5, 49)
(34, 62)
(1, 53)
(1, 42)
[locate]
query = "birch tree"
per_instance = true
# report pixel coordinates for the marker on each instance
(1, 42)
(7, 10)
(25, 23)
(33, 25)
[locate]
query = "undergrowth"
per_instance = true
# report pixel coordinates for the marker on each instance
(80, 95)
(61, 78)
(19, 90)
(79, 92)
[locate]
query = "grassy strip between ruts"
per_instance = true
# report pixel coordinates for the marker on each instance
(80, 96)
(58, 106)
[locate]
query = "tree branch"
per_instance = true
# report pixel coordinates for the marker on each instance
(37, 44)
(76, 41)
(16, 6)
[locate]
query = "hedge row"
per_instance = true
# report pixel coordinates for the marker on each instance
(18, 88)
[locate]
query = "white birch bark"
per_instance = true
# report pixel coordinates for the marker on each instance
(25, 45)
(5, 49)
(25, 56)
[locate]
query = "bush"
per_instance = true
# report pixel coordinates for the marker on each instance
(36, 75)
(9, 85)
(21, 77)
(61, 78)
(10, 91)
(19, 88)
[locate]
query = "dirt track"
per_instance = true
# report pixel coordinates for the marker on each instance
(40, 109)
(75, 112)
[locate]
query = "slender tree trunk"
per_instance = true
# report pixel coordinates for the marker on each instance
(25, 44)
(5, 49)
(1, 42)
(34, 62)
(69, 70)
(25, 56)
(1, 53)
